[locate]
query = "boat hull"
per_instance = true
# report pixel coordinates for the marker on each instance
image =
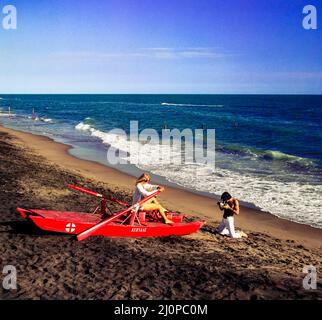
(75, 223)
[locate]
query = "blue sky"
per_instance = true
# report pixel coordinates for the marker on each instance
(161, 46)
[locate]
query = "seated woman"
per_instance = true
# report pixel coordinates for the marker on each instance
(143, 189)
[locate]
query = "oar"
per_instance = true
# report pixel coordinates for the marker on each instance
(83, 235)
(95, 194)
(92, 193)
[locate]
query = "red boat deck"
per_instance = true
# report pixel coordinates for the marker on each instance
(76, 217)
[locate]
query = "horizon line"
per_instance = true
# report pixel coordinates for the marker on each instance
(129, 93)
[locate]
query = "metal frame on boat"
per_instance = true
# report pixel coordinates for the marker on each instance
(132, 221)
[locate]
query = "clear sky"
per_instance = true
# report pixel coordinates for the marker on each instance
(161, 46)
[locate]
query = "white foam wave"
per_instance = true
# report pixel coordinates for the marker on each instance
(2, 114)
(83, 127)
(290, 200)
(134, 151)
(191, 105)
(42, 119)
(277, 155)
(268, 155)
(47, 120)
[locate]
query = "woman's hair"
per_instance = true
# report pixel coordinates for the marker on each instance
(225, 196)
(142, 178)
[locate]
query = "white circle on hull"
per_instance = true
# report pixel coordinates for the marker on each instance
(70, 227)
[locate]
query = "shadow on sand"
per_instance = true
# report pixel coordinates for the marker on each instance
(24, 227)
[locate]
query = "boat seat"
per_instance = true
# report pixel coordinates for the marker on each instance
(155, 215)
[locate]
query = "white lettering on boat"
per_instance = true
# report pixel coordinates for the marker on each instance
(138, 230)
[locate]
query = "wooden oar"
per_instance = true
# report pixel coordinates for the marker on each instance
(83, 235)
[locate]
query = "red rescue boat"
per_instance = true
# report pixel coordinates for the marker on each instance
(130, 222)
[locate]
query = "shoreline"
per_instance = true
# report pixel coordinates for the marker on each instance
(178, 199)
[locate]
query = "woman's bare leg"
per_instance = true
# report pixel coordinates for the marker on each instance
(150, 206)
(154, 200)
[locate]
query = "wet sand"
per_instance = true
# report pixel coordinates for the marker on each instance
(205, 265)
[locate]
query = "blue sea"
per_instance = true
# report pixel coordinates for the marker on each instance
(268, 147)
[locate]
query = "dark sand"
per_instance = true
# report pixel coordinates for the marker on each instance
(267, 265)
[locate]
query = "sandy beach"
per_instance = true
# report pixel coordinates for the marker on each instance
(35, 172)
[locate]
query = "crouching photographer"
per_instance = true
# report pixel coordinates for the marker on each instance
(230, 206)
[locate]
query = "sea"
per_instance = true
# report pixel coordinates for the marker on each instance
(268, 147)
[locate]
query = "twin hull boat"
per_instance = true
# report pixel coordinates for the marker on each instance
(130, 222)
(77, 222)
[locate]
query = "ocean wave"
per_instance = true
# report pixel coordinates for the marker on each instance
(41, 119)
(268, 155)
(191, 105)
(137, 152)
(47, 120)
(2, 114)
(89, 121)
(278, 155)
(121, 142)
(83, 127)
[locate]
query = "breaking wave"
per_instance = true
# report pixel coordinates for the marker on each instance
(288, 158)
(41, 119)
(268, 155)
(47, 120)
(191, 105)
